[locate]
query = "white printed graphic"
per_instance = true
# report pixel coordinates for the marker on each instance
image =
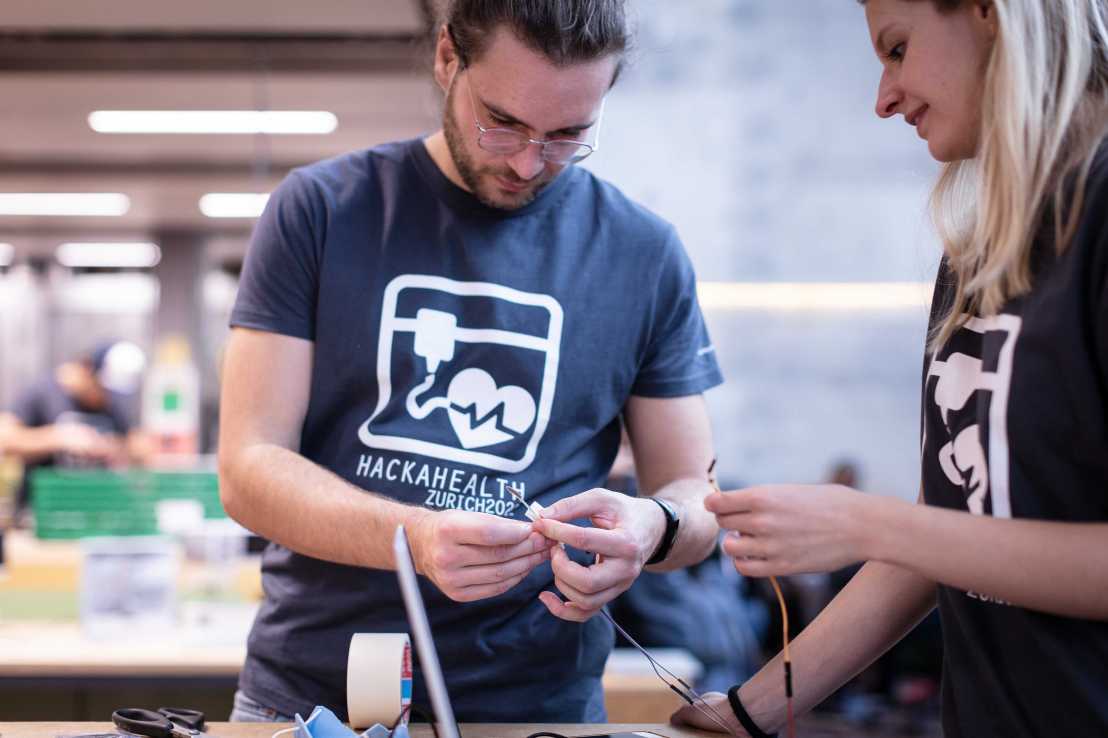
(481, 411)
(963, 459)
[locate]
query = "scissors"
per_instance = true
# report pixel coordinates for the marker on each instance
(166, 722)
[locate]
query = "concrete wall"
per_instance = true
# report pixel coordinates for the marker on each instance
(750, 125)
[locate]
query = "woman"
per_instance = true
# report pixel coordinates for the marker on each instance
(1011, 540)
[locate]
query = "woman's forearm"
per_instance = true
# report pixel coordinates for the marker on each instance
(1060, 568)
(875, 610)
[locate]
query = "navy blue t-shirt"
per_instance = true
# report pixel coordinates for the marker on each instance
(459, 349)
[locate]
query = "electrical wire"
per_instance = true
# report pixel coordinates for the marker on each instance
(789, 720)
(685, 692)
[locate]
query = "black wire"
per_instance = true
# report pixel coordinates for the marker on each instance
(546, 734)
(689, 694)
(427, 715)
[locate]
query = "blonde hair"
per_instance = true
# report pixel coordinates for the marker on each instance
(1044, 111)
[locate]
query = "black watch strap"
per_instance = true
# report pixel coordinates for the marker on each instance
(673, 522)
(744, 718)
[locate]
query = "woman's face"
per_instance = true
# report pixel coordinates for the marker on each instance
(934, 69)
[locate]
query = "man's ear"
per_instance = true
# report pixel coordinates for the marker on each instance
(447, 60)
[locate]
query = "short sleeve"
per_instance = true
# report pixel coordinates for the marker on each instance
(28, 408)
(280, 276)
(121, 410)
(680, 358)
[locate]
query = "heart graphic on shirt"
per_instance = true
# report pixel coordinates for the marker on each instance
(483, 414)
(965, 464)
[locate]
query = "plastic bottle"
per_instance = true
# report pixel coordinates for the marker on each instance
(171, 404)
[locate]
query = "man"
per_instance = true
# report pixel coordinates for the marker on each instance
(78, 417)
(421, 327)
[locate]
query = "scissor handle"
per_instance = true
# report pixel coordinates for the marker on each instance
(184, 716)
(143, 722)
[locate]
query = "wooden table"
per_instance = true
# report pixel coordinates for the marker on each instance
(265, 730)
(809, 727)
(58, 656)
(53, 666)
(38, 655)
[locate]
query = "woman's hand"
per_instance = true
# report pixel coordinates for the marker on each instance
(788, 529)
(718, 707)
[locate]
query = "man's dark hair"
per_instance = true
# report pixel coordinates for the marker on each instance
(564, 31)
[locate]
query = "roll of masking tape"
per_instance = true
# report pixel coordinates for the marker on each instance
(378, 678)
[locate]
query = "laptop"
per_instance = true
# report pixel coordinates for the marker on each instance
(421, 632)
(445, 724)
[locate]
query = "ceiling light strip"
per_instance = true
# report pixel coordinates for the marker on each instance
(814, 296)
(277, 122)
(233, 204)
(97, 204)
(127, 255)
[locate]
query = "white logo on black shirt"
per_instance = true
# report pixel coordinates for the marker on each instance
(980, 470)
(447, 344)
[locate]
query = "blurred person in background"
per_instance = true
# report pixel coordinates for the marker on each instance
(1010, 533)
(422, 324)
(78, 417)
(701, 609)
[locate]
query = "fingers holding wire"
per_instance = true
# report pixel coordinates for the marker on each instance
(754, 556)
(482, 591)
(565, 610)
(590, 603)
(739, 545)
(591, 587)
(492, 573)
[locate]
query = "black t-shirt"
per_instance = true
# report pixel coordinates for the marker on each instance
(47, 403)
(1015, 425)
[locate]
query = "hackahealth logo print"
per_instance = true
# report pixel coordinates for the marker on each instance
(466, 371)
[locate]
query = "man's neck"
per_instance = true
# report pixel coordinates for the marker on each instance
(440, 154)
(77, 382)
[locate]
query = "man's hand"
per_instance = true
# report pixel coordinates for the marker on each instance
(718, 707)
(85, 442)
(627, 531)
(471, 556)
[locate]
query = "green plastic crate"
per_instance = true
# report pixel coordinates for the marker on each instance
(80, 504)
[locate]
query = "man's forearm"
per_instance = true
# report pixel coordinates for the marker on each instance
(875, 610)
(28, 444)
(698, 532)
(288, 499)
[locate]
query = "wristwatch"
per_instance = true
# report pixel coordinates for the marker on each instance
(673, 522)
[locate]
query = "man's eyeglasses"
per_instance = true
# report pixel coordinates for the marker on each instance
(506, 142)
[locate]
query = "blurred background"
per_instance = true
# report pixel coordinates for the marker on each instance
(747, 123)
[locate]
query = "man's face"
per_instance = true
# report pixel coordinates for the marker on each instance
(512, 86)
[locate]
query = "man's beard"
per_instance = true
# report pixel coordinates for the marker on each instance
(471, 174)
